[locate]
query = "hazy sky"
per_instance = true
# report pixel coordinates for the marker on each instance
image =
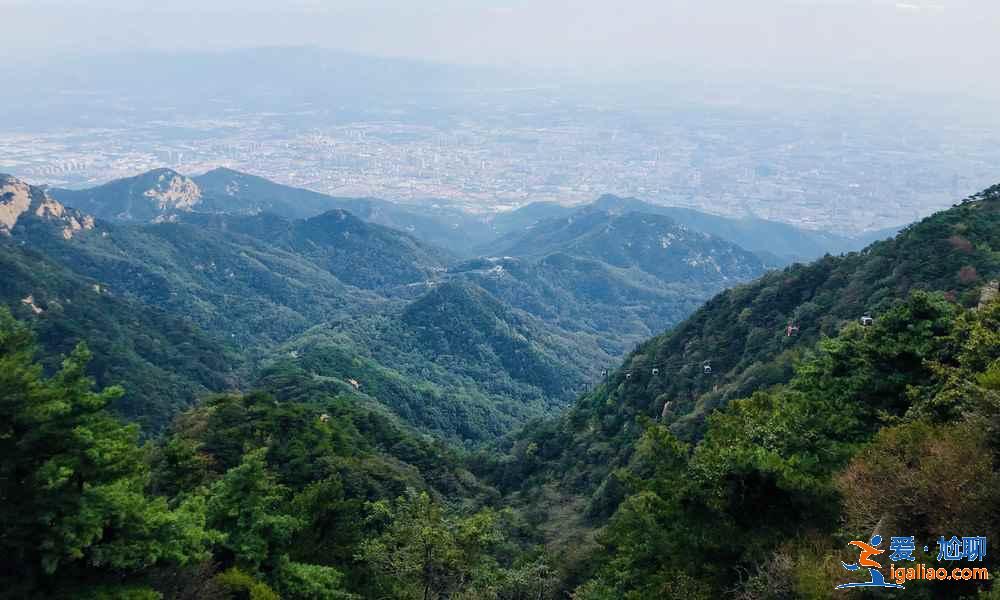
(922, 44)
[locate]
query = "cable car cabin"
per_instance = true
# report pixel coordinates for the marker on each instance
(707, 369)
(866, 321)
(628, 376)
(791, 330)
(656, 372)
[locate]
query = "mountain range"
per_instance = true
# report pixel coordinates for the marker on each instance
(163, 194)
(751, 337)
(336, 408)
(257, 267)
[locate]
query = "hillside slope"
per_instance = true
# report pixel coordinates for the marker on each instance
(742, 335)
(651, 243)
(616, 307)
(163, 361)
(165, 195)
(359, 253)
(778, 243)
(456, 361)
(146, 197)
(235, 192)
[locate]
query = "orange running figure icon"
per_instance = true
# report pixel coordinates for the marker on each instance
(867, 551)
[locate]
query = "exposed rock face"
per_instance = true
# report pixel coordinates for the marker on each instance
(173, 191)
(30, 302)
(989, 293)
(18, 200)
(149, 197)
(15, 199)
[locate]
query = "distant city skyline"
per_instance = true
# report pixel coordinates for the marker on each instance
(848, 115)
(815, 172)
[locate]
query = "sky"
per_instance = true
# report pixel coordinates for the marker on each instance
(922, 45)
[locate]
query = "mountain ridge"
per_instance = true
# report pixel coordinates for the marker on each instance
(743, 334)
(227, 190)
(18, 199)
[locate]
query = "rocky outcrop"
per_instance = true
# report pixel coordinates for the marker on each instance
(173, 191)
(19, 200)
(15, 200)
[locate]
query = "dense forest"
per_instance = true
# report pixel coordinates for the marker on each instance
(300, 490)
(256, 270)
(412, 444)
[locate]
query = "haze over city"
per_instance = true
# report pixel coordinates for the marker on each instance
(842, 115)
(499, 299)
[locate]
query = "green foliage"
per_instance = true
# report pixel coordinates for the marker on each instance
(456, 362)
(310, 486)
(424, 552)
(246, 505)
(117, 592)
(649, 243)
(290, 470)
(923, 500)
(72, 479)
(161, 360)
(242, 585)
(742, 334)
(309, 582)
(839, 444)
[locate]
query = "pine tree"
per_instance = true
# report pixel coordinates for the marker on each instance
(73, 505)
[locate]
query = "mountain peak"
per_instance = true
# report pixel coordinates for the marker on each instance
(15, 199)
(19, 199)
(223, 171)
(170, 190)
(155, 195)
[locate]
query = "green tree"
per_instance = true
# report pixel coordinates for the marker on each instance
(73, 504)
(248, 506)
(424, 553)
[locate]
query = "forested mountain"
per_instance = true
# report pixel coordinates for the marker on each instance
(165, 194)
(298, 488)
(154, 195)
(740, 343)
(236, 192)
(235, 284)
(649, 243)
(163, 361)
(210, 251)
(790, 243)
(442, 226)
(361, 254)
(613, 307)
(774, 241)
(456, 361)
(735, 454)
(620, 277)
(875, 431)
(743, 334)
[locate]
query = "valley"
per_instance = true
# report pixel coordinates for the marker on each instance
(482, 300)
(260, 267)
(347, 398)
